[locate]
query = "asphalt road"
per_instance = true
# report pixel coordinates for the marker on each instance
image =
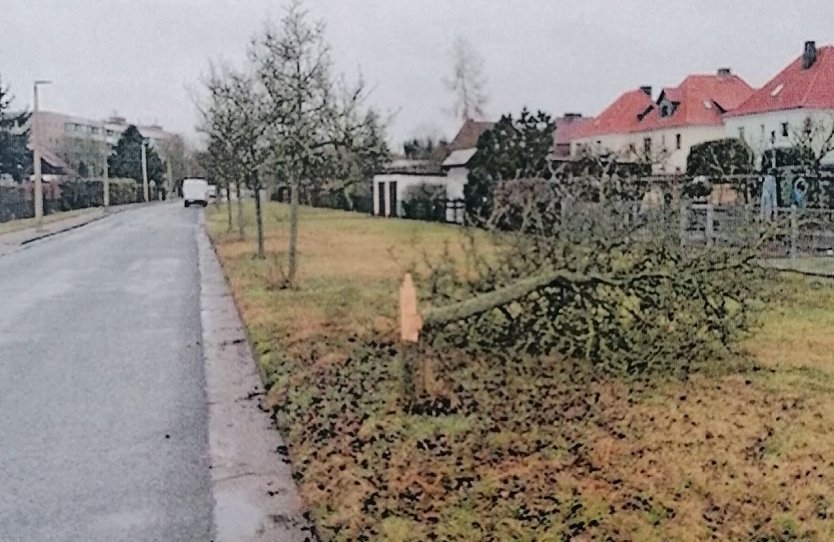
(103, 415)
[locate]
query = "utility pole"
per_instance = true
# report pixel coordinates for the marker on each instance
(36, 157)
(170, 177)
(106, 175)
(145, 172)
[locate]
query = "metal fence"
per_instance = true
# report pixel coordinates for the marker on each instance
(451, 211)
(793, 231)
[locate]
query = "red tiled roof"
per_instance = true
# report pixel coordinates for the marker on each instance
(701, 100)
(567, 129)
(467, 136)
(812, 88)
(619, 117)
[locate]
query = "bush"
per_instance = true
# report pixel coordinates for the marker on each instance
(14, 203)
(85, 193)
(425, 201)
(717, 159)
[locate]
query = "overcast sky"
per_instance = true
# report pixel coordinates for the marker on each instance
(144, 58)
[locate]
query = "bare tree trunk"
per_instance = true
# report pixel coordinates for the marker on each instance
(293, 232)
(241, 230)
(259, 218)
(229, 206)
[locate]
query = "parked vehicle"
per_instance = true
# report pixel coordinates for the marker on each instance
(195, 191)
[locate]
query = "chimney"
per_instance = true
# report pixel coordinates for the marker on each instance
(570, 117)
(810, 54)
(724, 72)
(647, 89)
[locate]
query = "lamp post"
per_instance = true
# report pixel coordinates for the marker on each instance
(106, 179)
(36, 156)
(145, 170)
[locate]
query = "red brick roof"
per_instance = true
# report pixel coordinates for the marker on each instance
(567, 129)
(467, 136)
(619, 117)
(700, 100)
(812, 88)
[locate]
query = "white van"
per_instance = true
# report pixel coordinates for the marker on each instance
(195, 191)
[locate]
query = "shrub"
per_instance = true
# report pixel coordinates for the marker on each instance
(425, 201)
(85, 193)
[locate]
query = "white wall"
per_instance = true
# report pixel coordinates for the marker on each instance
(666, 138)
(759, 127)
(453, 184)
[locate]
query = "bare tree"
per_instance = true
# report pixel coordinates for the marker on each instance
(234, 118)
(311, 119)
(814, 140)
(467, 81)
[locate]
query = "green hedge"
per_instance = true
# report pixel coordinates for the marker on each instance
(86, 193)
(17, 201)
(14, 203)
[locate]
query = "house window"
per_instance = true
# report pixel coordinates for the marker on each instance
(678, 141)
(741, 133)
(784, 129)
(647, 145)
(773, 136)
(632, 149)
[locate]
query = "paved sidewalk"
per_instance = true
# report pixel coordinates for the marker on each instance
(9, 242)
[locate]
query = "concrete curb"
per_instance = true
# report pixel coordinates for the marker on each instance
(61, 226)
(255, 496)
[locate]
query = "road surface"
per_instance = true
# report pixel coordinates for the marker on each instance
(103, 415)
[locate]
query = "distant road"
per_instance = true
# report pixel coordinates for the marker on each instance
(102, 403)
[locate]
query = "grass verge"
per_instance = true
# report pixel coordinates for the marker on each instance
(529, 451)
(25, 223)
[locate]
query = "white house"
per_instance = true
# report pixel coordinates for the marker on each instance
(667, 128)
(774, 114)
(391, 187)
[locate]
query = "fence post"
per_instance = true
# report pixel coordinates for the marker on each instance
(684, 221)
(794, 231)
(710, 229)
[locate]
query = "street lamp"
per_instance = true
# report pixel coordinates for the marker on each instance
(36, 156)
(145, 169)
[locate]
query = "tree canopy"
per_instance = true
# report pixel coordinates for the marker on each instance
(126, 160)
(15, 157)
(515, 148)
(720, 158)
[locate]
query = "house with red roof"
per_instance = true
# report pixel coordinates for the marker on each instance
(566, 129)
(609, 132)
(665, 129)
(772, 116)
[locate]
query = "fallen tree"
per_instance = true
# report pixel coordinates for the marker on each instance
(604, 285)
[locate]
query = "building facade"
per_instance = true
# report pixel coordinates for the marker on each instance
(664, 130)
(776, 115)
(82, 143)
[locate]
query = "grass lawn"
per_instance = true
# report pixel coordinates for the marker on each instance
(540, 451)
(24, 223)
